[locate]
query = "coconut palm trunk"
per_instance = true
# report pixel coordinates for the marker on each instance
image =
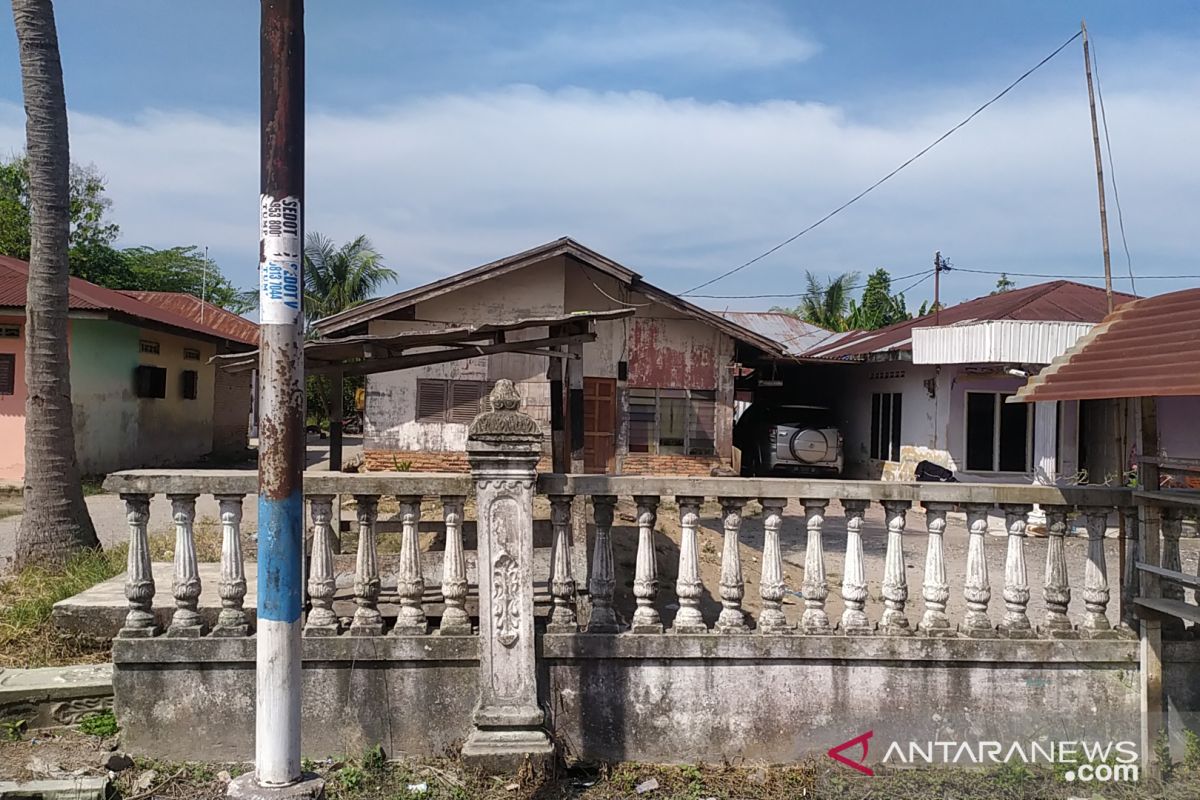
(55, 521)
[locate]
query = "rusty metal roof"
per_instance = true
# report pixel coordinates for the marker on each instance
(86, 296)
(355, 319)
(1056, 301)
(793, 334)
(235, 328)
(1147, 348)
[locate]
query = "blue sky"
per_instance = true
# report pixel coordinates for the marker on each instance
(678, 138)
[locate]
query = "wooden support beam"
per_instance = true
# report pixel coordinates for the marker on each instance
(336, 412)
(374, 365)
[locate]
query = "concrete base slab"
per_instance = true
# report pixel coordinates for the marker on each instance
(66, 789)
(501, 752)
(54, 696)
(244, 787)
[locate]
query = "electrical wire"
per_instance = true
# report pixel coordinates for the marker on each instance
(795, 294)
(624, 303)
(887, 177)
(1112, 171)
(1069, 277)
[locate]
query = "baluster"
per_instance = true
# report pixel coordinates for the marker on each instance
(563, 618)
(321, 579)
(1095, 623)
(935, 590)
(232, 588)
(1015, 623)
(139, 578)
(1172, 527)
(854, 581)
(367, 619)
(645, 581)
(1129, 579)
(688, 587)
(602, 581)
(771, 586)
(410, 583)
(977, 590)
(186, 585)
(895, 583)
(733, 587)
(815, 587)
(455, 620)
(1057, 588)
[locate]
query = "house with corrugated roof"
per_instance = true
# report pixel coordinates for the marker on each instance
(653, 390)
(143, 390)
(936, 388)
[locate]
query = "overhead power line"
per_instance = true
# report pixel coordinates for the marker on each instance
(795, 294)
(887, 177)
(1067, 277)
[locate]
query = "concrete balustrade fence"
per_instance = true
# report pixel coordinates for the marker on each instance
(469, 656)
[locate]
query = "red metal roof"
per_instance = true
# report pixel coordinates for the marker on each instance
(1056, 301)
(233, 327)
(1147, 348)
(86, 296)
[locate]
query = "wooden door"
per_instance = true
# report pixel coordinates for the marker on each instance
(599, 424)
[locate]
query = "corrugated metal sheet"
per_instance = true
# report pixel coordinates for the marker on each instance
(1148, 348)
(1056, 301)
(1005, 341)
(793, 334)
(233, 327)
(85, 296)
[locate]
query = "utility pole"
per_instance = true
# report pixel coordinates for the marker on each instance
(940, 265)
(1087, 66)
(281, 417)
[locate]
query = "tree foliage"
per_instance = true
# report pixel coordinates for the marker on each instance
(829, 304)
(337, 278)
(879, 307)
(1004, 284)
(90, 243)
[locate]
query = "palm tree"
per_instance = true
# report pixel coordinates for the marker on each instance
(55, 521)
(337, 278)
(826, 305)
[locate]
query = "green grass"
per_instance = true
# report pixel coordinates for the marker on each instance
(27, 634)
(103, 723)
(93, 484)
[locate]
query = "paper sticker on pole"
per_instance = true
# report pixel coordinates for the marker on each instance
(279, 289)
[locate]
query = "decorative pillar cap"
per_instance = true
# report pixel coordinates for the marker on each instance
(505, 422)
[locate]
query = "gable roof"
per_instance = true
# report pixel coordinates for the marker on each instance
(1056, 301)
(346, 321)
(161, 310)
(201, 312)
(1147, 348)
(793, 334)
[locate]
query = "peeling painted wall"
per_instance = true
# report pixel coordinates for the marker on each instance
(12, 408)
(662, 348)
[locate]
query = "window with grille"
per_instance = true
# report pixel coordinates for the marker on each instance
(449, 401)
(998, 433)
(672, 421)
(147, 346)
(150, 382)
(191, 380)
(886, 410)
(10, 331)
(8, 373)
(191, 354)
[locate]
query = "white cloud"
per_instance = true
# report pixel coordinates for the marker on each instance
(677, 189)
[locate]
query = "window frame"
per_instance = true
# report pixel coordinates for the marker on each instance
(891, 434)
(12, 374)
(693, 442)
(449, 413)
(159, 382)
(192, 391)
(997, 411)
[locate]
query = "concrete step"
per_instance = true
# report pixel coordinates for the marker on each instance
(51, 697)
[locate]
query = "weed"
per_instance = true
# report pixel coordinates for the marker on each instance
(351, 778)
(1191, 751)
(401, 466)
(1162, 754)
(1012, 775)
(103, 723)
(374, 761)
(28, 637)
(11, 730)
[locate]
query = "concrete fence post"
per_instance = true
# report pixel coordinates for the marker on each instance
(503, 446)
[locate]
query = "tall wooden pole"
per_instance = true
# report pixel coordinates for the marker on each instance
(1087, 65)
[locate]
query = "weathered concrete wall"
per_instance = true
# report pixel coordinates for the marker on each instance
(661, 347)
(115, 429)
(12, 407)
(193, 700)
(654, 698)
(231, 412)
